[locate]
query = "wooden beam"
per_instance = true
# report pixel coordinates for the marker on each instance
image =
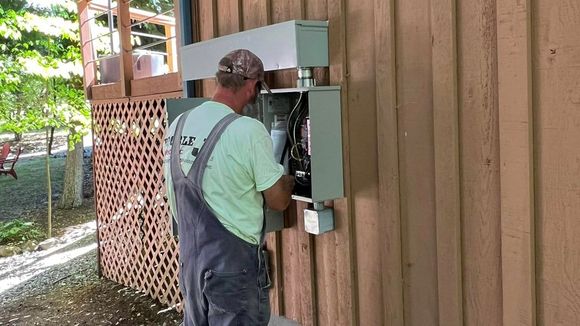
(416, 157)
(208, 29)
(240, 17)
(268, 6)
(517, 162)
(306, 270)
(171, 48)
(274, 245)
(255, 13)
(177, 31)
(345, 236)
(480, 162)
(167, 83)
(364, 166)
(89, 66)
(230, 18)
(291, 268)
(388, 156)
(447, 165)
(124, 23)
(106, 91)
(196, 36)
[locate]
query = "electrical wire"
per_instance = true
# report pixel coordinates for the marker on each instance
(288, 124)
(290, 117)
(300, 118)
(295, 154)
(295, 127)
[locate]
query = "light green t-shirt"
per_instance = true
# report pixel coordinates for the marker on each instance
(241, 166)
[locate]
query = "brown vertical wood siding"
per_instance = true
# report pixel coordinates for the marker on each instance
(461, 122)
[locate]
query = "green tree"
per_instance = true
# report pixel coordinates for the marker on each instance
(40, 73)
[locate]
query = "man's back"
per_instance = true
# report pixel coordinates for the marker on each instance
(240, 167)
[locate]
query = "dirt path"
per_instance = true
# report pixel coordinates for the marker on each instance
(61, 287)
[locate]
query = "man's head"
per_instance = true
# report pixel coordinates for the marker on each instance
(242, 72)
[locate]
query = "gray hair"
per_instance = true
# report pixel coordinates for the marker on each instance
(231, 81)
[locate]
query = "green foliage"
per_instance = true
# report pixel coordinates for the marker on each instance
(40, 67)
(157, 6)
(16, 231)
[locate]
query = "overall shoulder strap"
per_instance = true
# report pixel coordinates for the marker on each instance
(175, 160)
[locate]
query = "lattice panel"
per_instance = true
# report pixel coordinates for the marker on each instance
(135, 243)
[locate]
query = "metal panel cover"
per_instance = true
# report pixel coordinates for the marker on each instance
(291, 44)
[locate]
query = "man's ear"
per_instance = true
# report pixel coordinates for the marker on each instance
(254, 83)
(250, 86)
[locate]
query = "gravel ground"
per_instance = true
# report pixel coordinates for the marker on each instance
(58, 292)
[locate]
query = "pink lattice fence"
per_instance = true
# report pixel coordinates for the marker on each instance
(136, 248)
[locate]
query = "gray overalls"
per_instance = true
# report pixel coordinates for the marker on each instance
(223, 279)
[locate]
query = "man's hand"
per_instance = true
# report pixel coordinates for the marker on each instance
(278, 196)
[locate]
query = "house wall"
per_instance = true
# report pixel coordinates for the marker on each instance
(461, 132)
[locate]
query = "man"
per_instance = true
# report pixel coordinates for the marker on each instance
(219, 169)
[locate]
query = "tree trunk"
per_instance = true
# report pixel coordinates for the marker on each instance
(72, 193)
(48, 188)
(50, 140)
(17, 136)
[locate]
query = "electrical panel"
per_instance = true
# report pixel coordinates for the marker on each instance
(305, 125)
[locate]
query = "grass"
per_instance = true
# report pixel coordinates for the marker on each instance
(17, 231)
(29, 191)
(25, 199)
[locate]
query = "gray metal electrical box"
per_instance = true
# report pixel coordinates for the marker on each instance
(311, 117)
(176, 106)
(291, 44)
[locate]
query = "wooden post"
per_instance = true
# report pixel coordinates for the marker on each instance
(480, 165)
(342, 242)
(89, 67)
(171, 48)
(388, 156)
(124, 26)
(447, 166)
(517, 162)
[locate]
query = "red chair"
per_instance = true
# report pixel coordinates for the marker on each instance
(5, 161)
(4, 153)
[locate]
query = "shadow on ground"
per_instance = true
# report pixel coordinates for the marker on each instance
(64, 289)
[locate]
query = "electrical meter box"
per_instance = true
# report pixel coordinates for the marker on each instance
(305, 125)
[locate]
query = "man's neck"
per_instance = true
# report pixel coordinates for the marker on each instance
(228, 98)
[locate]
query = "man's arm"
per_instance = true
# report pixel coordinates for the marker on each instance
(278, 196)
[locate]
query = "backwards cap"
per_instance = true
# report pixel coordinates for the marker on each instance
(244, 63)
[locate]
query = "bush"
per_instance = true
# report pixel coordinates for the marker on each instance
(15, 231)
